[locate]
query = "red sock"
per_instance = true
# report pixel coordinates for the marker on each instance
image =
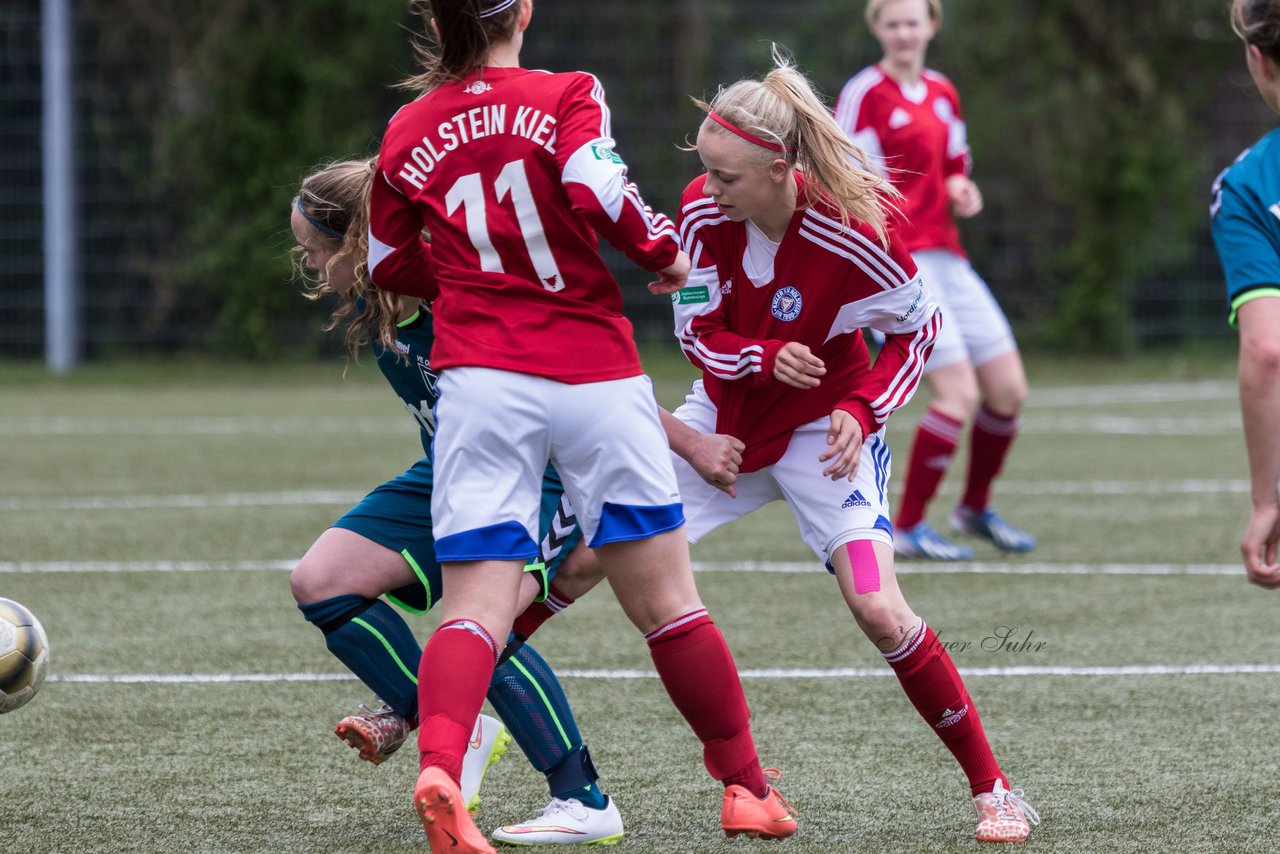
(539, 612)
(697, 670)
(453, 676)
(931, 453)
(934, 687)
(988, 446)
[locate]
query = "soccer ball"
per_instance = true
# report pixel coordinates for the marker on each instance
(24, 655)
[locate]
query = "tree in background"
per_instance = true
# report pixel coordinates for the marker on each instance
(1088, 119)
(1094, 112)
(1088, 124)
(214, 110)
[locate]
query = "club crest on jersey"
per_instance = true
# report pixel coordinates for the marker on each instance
(476, 87)
(786, 305)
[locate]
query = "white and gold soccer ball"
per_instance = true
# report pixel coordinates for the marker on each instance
(24, 655)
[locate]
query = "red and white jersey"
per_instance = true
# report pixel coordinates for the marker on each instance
(828, 282)
(916, 137)
(512, 172)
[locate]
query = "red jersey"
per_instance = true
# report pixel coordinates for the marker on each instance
(829, 281)
(512, 172)
(917, 138)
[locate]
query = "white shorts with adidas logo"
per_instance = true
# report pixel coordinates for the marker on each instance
(830, 513)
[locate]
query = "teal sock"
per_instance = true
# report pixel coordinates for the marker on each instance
(375, 643)
(531, 702)
(575, 778)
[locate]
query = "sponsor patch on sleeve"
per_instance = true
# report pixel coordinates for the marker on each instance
(691, 295)
(605, 152)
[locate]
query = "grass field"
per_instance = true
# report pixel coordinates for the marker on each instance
(150, 514)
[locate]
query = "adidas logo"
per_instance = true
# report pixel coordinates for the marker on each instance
(899, 118)
(951, 718)
(855, 500)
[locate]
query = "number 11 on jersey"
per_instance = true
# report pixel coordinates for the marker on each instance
(468, 193)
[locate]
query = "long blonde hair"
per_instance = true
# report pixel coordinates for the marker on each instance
(335, 200)
(784, 110)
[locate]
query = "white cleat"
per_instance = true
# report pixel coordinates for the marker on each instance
(564, 822)
(486, 746)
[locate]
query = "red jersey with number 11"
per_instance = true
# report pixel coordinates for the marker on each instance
(512, 173)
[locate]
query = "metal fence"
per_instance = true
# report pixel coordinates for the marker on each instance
(123, 311)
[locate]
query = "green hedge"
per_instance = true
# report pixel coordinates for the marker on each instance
(1088, 121)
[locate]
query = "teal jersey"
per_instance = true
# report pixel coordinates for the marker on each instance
(1246, 223)
(407, 368)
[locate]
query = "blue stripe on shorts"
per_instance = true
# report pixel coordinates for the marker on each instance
(503, 541)
(622, 522)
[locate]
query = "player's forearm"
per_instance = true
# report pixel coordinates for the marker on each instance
(1260, 412)
(680, 436)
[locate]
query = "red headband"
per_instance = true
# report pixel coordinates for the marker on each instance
(737, 131)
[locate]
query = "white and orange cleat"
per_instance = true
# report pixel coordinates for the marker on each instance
(376, 733)
(770, 817)
(1003, 815)
(565, 822)
(444, 815)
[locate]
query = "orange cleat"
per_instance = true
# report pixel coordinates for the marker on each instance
(1003, 815)
(770, 817)
(444, 815)
(376, 733)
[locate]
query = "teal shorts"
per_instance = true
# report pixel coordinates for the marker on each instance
(397, 516)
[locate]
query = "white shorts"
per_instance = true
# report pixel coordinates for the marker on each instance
(830, 513)
(974, 329)
(496, 431)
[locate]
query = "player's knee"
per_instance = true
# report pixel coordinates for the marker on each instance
(962, 399)
(882, 619)
(311, 581)
(580, 571)
(1007, 400)
(955, 393)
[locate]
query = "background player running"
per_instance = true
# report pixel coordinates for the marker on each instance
(907, 118)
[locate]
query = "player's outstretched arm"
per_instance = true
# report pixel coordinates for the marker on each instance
(1260, 411)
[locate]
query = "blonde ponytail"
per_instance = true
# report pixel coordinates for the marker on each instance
(783, 110)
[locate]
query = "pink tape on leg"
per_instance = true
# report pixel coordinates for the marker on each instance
(866, 569)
